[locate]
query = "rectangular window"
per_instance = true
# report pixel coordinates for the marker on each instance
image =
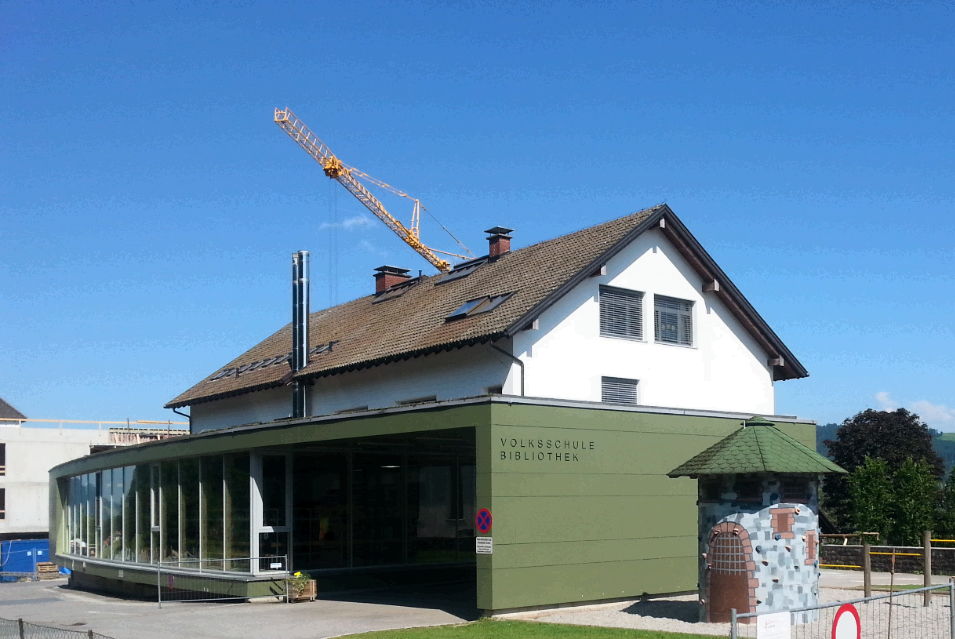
(795, 490)
(615, 390)
(3, 459)
(672, 320)
(621, 313)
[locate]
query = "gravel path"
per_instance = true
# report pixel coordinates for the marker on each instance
(680, 614)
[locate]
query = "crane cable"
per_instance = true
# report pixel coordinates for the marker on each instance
(401, 193)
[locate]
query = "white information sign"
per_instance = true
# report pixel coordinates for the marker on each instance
(484, 545)
(773, 626)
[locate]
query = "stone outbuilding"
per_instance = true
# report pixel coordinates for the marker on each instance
(758, 522)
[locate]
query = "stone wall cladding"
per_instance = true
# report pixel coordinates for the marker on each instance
(943, 559)
(782, 576)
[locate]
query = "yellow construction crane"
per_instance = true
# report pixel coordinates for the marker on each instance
(348, 176)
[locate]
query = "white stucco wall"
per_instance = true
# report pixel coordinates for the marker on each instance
(465, 372)
(564, 358)
(725, 369)
(31, 452)
(261, 406)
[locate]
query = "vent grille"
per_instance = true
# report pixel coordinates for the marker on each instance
(615, 390)
(672, 320)
(621, 313)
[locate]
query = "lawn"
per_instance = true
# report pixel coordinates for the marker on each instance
(494, 629)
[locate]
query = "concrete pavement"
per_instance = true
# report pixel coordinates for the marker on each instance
(52, 603)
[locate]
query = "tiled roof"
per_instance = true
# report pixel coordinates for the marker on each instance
(9, 412)
(760, 448)
(369, 331)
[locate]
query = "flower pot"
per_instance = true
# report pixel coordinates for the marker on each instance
(307, 593)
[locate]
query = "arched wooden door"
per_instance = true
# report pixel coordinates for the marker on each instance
(728, 577)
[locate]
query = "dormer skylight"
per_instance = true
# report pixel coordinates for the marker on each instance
(462, 270)
(396, 291)
(477, 306)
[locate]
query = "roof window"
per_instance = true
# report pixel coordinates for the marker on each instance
(462, 270)
(397, 290)
(477, 306)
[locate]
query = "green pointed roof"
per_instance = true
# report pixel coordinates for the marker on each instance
(757, 447)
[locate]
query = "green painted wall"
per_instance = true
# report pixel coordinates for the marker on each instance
(602, 522)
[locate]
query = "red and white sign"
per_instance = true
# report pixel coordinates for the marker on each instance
(847, 624)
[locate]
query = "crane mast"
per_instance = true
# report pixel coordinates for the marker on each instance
(345, 175)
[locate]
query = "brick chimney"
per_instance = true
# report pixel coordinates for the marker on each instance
(499, 241)
(388, 276)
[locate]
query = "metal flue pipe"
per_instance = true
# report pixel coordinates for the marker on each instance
(300, 306)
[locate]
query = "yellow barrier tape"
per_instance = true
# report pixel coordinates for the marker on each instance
(837, 566)
(948, 541)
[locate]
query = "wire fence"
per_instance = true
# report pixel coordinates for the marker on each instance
(187, 580)
(20, 629)
(898, 615)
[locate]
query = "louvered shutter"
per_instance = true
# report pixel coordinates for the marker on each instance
(615, 390)
(621, 313)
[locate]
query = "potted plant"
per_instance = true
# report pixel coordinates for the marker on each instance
(301, 587)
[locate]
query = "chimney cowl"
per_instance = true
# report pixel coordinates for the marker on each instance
(387, 276)
(499, 241)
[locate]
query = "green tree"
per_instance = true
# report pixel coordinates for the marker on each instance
(870, 498)
(892, 436)
(916, 494)
(945, 517)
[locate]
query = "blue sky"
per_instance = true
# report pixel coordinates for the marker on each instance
(149, 205)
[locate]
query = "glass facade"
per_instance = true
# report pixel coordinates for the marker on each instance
(327, 509)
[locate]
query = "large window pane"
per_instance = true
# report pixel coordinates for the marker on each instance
(237, 512)
(432, 516)
(320, 511)
(155, 511)
(115, 527)
(169, 511)
(378, 502)
(143, 495)
(129, 514)
(273, 551)
(97, 532)
(467, 472)
(273, 490)
(85, 511)
(189, 510)
(212, 514)
(106, 505)
(76, 496)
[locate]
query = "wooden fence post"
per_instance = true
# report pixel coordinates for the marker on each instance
(866, 570)
(927, 565)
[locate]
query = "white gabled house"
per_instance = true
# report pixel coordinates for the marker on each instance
(632, 311)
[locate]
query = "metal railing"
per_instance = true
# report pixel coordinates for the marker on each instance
(20, 629)
(899, 615)
(188, 580)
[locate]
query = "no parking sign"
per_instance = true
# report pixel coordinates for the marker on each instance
(483, 521)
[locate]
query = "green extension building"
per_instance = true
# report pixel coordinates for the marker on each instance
(512, 421)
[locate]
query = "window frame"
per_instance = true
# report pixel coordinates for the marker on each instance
(603, 293)
(683, 316)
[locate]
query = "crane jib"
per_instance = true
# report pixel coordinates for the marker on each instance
(335, 169)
